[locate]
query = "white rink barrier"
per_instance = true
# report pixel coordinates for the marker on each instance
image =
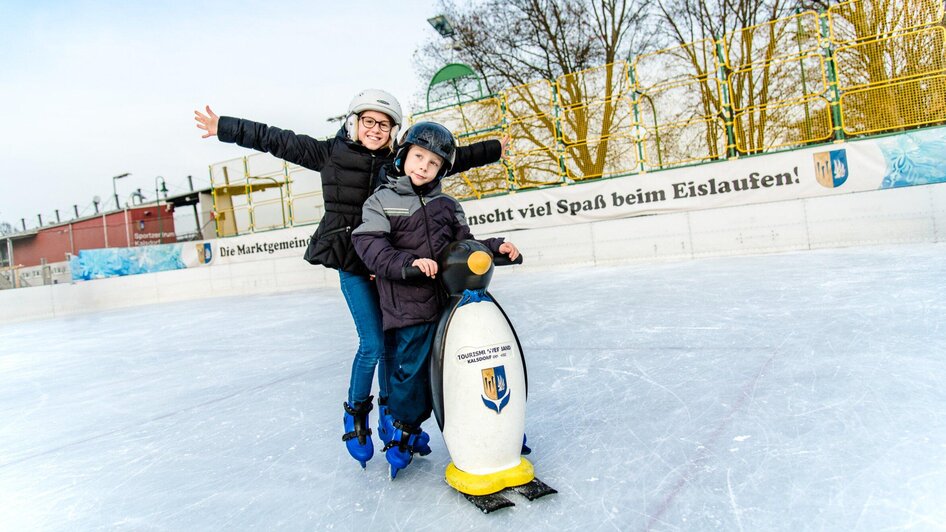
(890, 216)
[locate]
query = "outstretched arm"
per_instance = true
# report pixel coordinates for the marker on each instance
(284, 144)
(208, 122)
(477, 154)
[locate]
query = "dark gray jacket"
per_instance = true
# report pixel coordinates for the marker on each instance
(401, 224)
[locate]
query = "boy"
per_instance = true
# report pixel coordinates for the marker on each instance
(409, 222)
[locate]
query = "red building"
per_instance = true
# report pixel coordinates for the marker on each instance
(135, 226)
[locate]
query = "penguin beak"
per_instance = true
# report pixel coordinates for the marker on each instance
(479, 262)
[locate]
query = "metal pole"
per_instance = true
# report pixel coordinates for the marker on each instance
(285, 172)
(727, 108)
(157, 203)
(13, 276)
(834, 93)
(127, 233)
(190, 184)
(213, 196)
(10, 262)
(157, 206)
(115, 190)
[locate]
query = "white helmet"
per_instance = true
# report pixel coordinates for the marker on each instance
(373, 100)
(376, 100)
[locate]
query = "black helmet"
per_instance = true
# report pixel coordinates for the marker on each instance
(431, 136)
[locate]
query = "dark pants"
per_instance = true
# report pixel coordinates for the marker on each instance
(410, 400)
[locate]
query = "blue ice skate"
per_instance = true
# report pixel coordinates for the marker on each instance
(357, 435)
(400, 450)
(386, 429)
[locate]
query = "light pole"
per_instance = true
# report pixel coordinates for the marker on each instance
(157, 205)
(653, 112)
(442, 24)
(115, 190)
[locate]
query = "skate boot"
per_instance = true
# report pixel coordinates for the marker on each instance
(525, 448)
(386, 429)
(400, 450)
(357, 435)
(385, 421)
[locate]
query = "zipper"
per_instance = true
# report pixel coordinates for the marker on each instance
(371, 175)
(439, 293)
(423, 206)
(339, 230)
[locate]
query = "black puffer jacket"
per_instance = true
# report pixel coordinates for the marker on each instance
(349, 172)
(403, 223)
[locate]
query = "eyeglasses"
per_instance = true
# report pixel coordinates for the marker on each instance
(369, 123)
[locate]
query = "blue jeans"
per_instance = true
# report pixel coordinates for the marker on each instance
(361, 294)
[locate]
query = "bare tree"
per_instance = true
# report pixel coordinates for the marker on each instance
(551, 61)
(514, 42)
(729, 53)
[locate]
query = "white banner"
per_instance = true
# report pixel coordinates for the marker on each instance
(290, 242)
(825, 170)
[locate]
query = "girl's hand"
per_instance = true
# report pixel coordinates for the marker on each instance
(428, 266)
(504, 142)
(207, 122)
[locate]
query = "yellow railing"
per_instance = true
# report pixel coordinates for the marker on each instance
(863, 67)
(260, 192)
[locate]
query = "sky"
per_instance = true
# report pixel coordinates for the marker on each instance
(94, 89)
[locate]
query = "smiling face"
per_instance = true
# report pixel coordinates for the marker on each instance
(373, 138)
(422, 165)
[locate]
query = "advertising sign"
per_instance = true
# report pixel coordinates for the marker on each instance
(908, 159)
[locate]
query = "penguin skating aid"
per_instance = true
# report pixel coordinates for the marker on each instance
(479, 385)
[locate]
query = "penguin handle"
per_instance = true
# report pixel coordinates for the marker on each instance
(409, 273)
(503, 260)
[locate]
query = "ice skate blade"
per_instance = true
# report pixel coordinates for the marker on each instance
(534, 489)
(489, 503)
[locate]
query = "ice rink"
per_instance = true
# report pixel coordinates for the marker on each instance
(802, 391)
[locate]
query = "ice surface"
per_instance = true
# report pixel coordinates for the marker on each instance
(784, 392)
